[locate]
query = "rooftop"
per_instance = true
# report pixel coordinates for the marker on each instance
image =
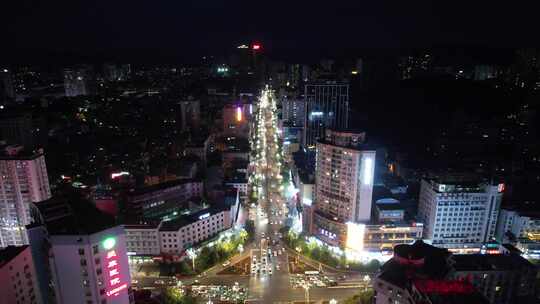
(162, 186)
(16, 152)
(490, 262)
(182, 221)
(9, 253)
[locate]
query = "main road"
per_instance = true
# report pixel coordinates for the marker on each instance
(270, 279)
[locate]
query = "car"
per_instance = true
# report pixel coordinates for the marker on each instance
(275, 253)
(227, 263)
(270, 271)
(277, 266)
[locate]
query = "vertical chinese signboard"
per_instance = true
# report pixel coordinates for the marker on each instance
(115, 284)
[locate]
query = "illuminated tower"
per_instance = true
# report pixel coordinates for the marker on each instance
(327, 107)
(343, 183)
(90, 266)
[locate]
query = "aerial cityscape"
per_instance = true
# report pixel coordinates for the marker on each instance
(215, 152)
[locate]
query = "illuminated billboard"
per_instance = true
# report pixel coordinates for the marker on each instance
(355, 236)
(238, 114)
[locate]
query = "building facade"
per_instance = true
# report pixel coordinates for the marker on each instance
(143, 239)
(343, 184)
(458, 213)
(326, 107)
(23, 180)
(18, 283)
(178, 235)
(515, 224)
(293, 111)
(91, 268)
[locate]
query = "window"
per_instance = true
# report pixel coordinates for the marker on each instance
(95, 249)
(81, 251)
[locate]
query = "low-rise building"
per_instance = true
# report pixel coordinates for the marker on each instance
(501, 278)
(18, 283)
(419, 274)
(142, 201)
(384, 237)
(143, 239)
(182, 233)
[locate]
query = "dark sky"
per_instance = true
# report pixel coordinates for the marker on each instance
(186, 28)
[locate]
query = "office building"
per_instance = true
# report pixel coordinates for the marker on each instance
(514, 224)
(180, 234)
(293, 111)
(23, 180)
(501, 278)
(420, 273)
(327, 107)
(18, 283)
(343, 184)
(79, 81)
(90, 265)
(459, 212)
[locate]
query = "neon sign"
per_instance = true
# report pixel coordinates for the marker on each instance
(113, 268)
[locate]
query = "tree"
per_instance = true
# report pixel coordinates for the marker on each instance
(250, 229)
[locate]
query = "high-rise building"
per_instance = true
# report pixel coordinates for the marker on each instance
(327, 107)
(7, 91)
(18, 283)
(343, 183)
(115, 72)
(293, 111)
(459, 212)
(79, 81)
(23, 180)
(90, 265)
(16, 128)
(190, 111)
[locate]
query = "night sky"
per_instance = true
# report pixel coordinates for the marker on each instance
(311, 28)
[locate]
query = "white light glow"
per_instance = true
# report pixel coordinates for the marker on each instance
(355, 236)
(367, 174)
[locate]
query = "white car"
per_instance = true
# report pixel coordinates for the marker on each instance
(226, 263)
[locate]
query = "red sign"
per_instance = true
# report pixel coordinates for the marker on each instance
(444, 287)
(256, 47)
(113, 271)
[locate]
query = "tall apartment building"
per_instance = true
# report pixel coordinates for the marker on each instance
(458, 212)
(23, 180)
(294, 111)
(18, 283)
(327, 107)
(90, 265)
(343, 183)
